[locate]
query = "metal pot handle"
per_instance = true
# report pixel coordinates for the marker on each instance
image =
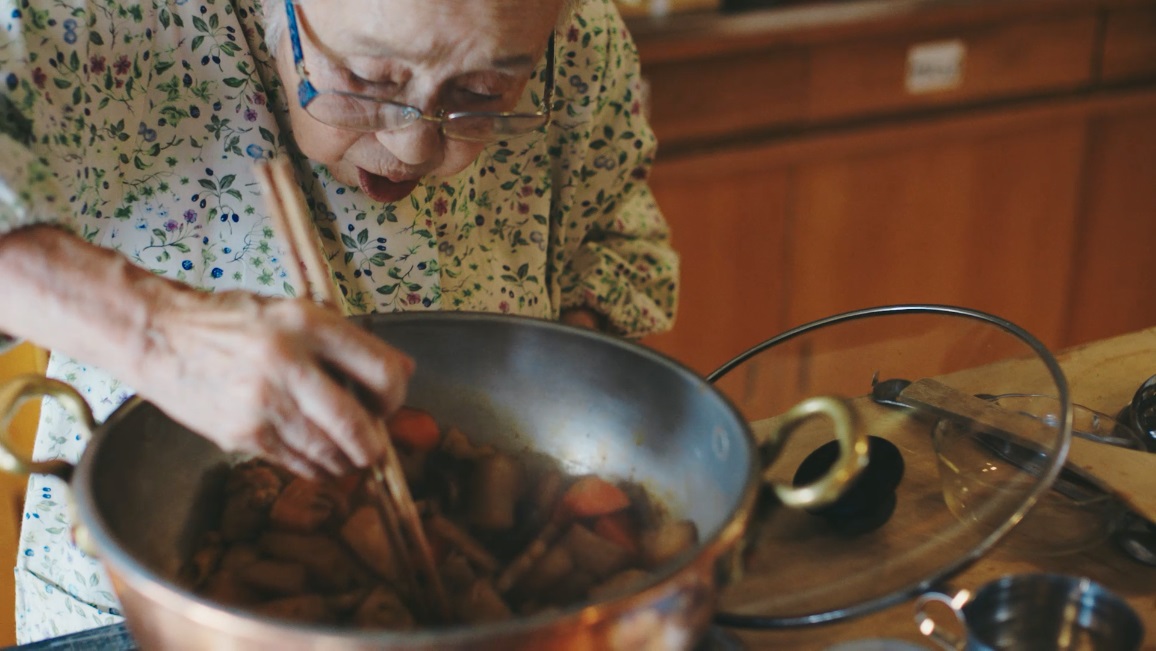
(13, 393)
(852, 452)
(929, 627)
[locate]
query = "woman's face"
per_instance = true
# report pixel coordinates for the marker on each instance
(451, 55)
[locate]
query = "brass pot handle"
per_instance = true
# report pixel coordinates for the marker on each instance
(15, 392)
(852, 452)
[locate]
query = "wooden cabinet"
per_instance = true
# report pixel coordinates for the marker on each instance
(1129, 44)
(805, 177)
(720, 96)
(995, 59)
(976, 216)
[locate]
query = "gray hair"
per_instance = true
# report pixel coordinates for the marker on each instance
(276, 21)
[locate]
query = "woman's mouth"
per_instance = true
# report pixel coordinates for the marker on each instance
(380, 188)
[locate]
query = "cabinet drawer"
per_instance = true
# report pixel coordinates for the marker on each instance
(726, 94)
(1129, 44)
(972, 63)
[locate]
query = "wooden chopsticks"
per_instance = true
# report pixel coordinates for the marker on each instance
(309, 275)
(294, 227)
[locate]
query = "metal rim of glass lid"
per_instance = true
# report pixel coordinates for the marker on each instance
(808, 568)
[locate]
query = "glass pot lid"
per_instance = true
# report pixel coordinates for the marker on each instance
(936, 494)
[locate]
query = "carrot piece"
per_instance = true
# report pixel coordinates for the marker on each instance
(415, 429)
(592, 496)
(618, 529)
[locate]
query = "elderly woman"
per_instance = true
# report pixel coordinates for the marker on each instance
(483, 155)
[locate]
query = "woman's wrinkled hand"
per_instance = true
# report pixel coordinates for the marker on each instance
(273, 377)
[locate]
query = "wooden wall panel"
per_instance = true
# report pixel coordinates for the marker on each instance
(978, 219)
(729, 232)
(1114, 279)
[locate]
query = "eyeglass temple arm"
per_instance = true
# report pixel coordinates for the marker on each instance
(305, 90)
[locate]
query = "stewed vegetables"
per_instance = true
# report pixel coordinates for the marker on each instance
(512, 534)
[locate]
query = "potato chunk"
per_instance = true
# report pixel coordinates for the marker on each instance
(366, 536)
(252, 489)
(496, 487)
(481, 603)
(306, 505)
(594, 553)
(551, 568)
(662, 545)
(383, 609)
(329, 566)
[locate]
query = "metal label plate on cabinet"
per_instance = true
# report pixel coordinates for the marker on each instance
(935, 66)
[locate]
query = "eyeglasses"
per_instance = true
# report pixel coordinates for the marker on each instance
(355, 112)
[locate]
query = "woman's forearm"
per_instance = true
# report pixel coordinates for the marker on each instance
(254, 374)
(65, 294)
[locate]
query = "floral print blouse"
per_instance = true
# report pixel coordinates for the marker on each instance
(135, 125)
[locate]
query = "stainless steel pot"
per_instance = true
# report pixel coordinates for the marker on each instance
(145, 487)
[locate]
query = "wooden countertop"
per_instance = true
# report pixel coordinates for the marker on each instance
(1102, 375)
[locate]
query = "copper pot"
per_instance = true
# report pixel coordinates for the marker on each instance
(145, 486)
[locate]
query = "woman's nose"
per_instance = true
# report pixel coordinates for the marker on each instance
(419, 144)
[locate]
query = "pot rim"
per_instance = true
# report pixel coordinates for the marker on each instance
(162, 590)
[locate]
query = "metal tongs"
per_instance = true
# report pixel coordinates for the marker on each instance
(308, 272)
